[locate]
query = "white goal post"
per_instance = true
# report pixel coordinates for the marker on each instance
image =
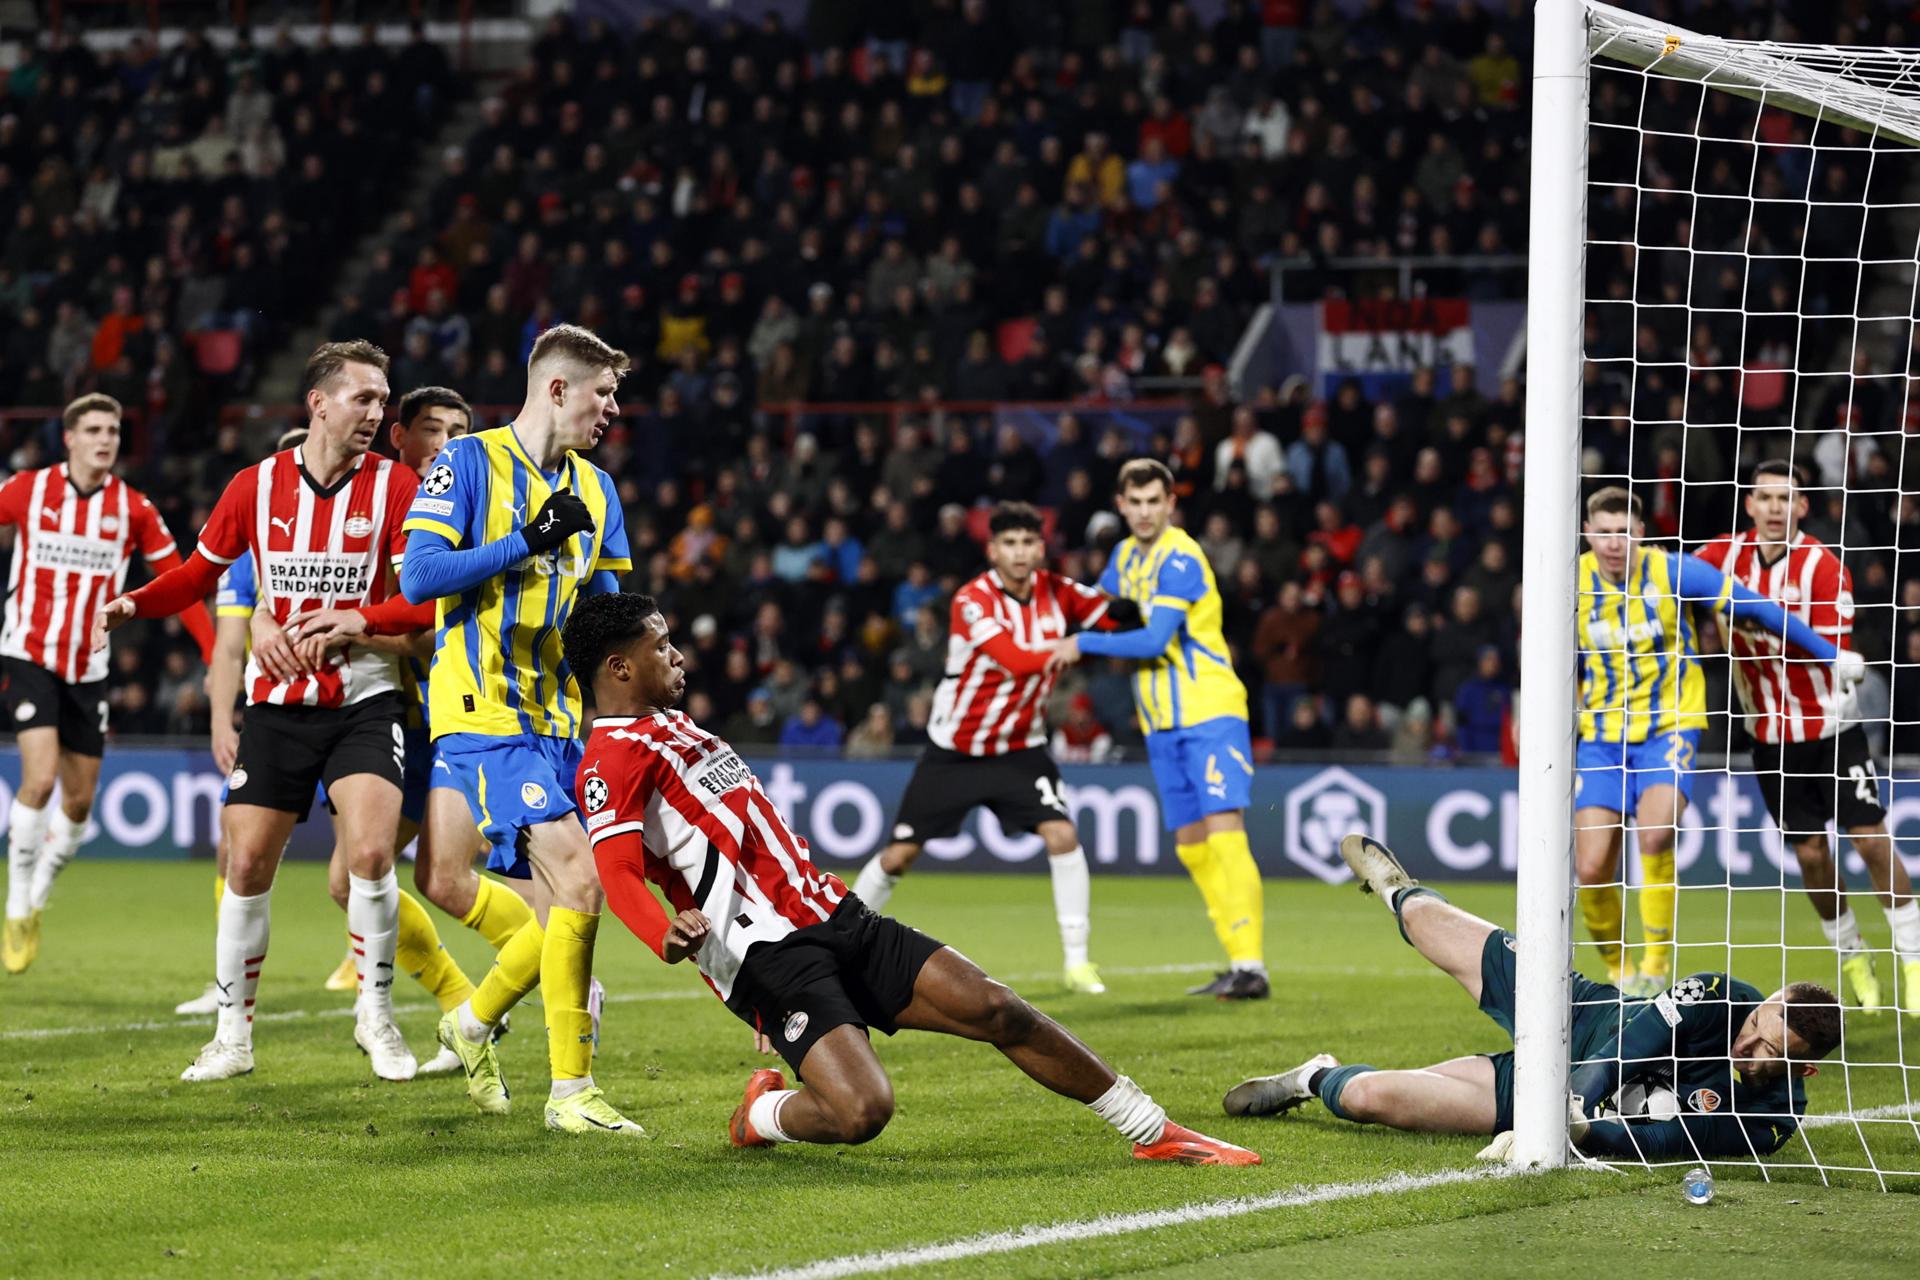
(1873, 91)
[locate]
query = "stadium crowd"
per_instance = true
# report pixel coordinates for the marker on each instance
(924, 205)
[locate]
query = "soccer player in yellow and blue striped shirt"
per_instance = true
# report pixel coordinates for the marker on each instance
(510, 528)
(1643, 705)
(1193, 710)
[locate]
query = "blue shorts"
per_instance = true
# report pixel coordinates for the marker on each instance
(416, 775)
(1614, 775)
(510, 784)
(1201, 769)
(1597, 1014)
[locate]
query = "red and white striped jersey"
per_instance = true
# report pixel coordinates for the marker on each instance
(70, 558)
(668, 802)
(316, 548)
(993, 698)
(1788, 701)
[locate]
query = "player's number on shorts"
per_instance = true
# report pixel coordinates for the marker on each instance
(103, 715)
(1050, 795)
(1865, 789)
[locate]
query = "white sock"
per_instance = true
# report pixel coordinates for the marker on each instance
(1906, 929)
(373, 921)
(1127, 1108)
(472, 1030)
(875, 885)
(1072, 893)
(567, 1088)
(26, 827)
(764, 1115)
(239, 950)
(1843, 933)
(62, 842)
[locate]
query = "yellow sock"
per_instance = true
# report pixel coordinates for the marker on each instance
(497, 913)
(1203, 864)
(1602, 909)
(1241, 901)
(1658, 905)
(419, 952)
(566, 967)
(515, 971)
(219, 890)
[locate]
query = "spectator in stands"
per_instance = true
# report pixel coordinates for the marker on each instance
(1359, 728)
(1252, 448)
(1078, 736)
(1286, 642)
(1481, 705)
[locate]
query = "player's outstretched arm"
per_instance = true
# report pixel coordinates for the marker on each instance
(1701, 583)
(195, 618)
(170, 593)
(1149, 641)
(434, 567)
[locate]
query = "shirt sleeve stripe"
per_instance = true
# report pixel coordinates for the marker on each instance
(619, 564)
(163, 552)
(617, 829)
(234, 611)
(446, 531)
(218, 559)
(1172, 602)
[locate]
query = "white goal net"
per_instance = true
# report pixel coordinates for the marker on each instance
(1738, 352)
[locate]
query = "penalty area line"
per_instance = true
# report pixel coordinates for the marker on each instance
(1034, 1236)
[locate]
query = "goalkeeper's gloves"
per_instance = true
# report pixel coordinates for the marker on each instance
(558, 519)
(1849, 669)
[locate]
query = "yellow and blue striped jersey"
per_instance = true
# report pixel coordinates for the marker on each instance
(1639, 671)
(1193, 681)
(497, 664)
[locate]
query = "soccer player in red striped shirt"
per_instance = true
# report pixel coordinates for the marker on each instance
(323, 523)
(1810, 755)
(782, 943)
(79, 526)
(989, 727)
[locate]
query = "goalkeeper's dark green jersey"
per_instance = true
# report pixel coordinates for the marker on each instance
(1683, 1040)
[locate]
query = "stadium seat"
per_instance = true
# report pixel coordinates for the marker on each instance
(217, 352)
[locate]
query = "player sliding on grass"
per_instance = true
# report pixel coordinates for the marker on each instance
(1730, 1058)
(783, 944)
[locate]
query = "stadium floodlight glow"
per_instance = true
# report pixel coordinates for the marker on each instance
(1758, 206)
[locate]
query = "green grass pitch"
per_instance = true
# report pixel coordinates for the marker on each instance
(309, 1167)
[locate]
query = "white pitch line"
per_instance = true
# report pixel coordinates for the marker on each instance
(1893, 1111)
(624, 997)
(1035, 1235)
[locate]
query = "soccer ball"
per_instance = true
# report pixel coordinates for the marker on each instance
(1648, 1098)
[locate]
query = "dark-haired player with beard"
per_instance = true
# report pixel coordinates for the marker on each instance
(783, 944)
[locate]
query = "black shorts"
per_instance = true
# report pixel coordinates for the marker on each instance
(854, 968)
(1021, 787)
(38, 699)
(286, 751)
(1808, 784)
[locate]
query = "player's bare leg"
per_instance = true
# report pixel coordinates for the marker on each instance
(1655, 823)
(27, 824)
(345, 975)
(1597, 837)
(953, 996)
(366, 814)
(254, 838)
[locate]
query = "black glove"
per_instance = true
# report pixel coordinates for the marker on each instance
(562, 516)
(1125, 615)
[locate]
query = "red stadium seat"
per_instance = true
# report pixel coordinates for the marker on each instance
(217, 351)
(1763, 388)
(1013, 338)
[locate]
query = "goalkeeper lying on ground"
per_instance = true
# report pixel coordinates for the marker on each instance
(1709, 1068)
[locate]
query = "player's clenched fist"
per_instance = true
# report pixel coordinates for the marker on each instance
(684, 935)
(559, 518)
(114, 614)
